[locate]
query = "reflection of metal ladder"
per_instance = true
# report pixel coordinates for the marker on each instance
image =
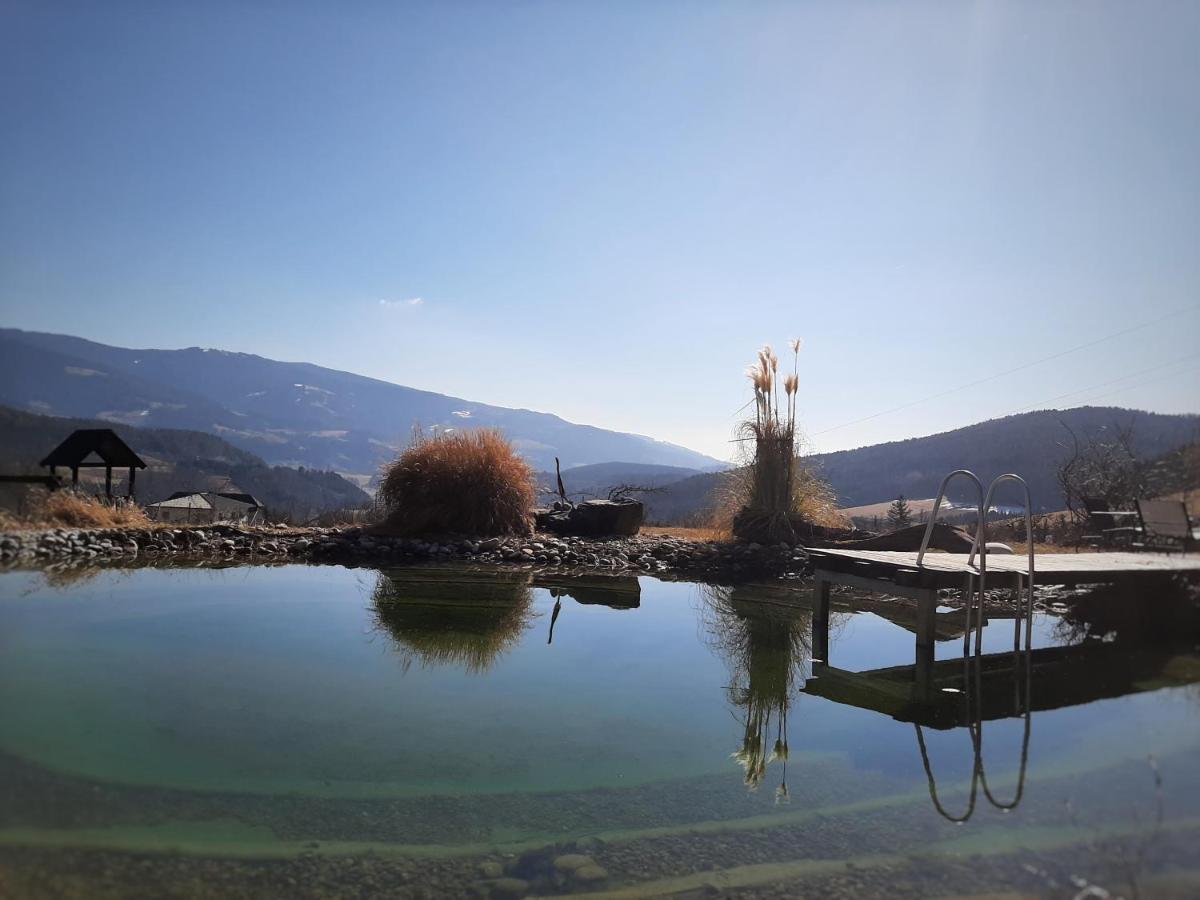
(972, 657)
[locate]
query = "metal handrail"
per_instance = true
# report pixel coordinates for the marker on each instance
(973, 698)
(972, 798)
(937, 504)
(987, 505)
(975, 729)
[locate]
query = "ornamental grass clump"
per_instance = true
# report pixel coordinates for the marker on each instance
(768, 496)
(469, 482)
(773, 435)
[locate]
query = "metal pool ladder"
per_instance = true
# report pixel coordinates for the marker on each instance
(1021, 697)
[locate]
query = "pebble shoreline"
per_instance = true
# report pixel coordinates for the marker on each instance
(649, 554)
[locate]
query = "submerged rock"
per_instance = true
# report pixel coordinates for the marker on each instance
(590, 873)
(570, 862)
(509, 888)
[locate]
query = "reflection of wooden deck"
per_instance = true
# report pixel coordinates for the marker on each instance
(1060, 677)
(896, 573)
(939, 570)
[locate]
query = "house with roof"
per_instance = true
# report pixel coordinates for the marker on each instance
(207, 507)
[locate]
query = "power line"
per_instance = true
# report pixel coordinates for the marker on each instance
(1137, 384)
(1023, 366)
(1090, 388)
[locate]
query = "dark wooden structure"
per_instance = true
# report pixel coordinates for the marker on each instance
(898, 574)
(94, 448)
(1061, 676)
(49, 482)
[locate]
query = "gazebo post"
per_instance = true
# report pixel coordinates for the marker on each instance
(132, 472)
(108, 482)
(74, 476)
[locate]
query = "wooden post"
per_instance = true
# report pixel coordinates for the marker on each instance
(75, 476)
(108, 482)
(926, 622)
(820, 624)
(132, 472)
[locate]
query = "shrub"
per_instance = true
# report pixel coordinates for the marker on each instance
(470, 482)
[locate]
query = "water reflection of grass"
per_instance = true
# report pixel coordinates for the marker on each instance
(765, 646)
(1161, 613)
(452, 618)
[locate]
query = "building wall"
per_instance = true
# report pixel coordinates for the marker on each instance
(176, 515)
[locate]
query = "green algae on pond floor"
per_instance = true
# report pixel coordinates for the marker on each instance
(284, 711)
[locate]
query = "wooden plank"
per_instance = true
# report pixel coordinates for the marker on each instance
(867, 583)
(50, 481)
(1050, 568)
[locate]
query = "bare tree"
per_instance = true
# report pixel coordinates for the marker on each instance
(626, 491)
(1103, 466)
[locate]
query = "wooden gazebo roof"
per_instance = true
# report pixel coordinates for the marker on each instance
(74, 451)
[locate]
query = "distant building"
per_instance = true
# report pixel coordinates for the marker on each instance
(207, 507)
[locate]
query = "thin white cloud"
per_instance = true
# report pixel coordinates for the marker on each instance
(411, 302)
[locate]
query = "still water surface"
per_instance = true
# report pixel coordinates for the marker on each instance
(261, 711)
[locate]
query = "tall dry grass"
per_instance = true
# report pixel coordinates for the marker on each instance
(470, 482)
(772, 490)
(65, 509)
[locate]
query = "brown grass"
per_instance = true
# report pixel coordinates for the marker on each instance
(682, 531)
(64, 509)
(812, 500)
(470, 482)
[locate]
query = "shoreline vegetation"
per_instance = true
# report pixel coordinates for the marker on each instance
(469, 495)
(80, 550)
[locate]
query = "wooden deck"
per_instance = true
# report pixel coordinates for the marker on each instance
(949, 570)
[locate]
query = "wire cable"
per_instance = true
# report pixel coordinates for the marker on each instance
(1006, 372)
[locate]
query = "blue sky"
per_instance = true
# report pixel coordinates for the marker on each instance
(605, 208)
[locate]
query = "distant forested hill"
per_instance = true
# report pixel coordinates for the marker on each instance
(1031, 444)
(181, 460)
(587, 482)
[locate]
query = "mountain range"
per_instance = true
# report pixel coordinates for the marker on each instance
(294, 414)
(298, 414)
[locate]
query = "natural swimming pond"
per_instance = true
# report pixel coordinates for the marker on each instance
(447, 731)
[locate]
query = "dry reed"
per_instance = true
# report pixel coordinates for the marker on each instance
(763, 498)
(470, 482)
(66, 509)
